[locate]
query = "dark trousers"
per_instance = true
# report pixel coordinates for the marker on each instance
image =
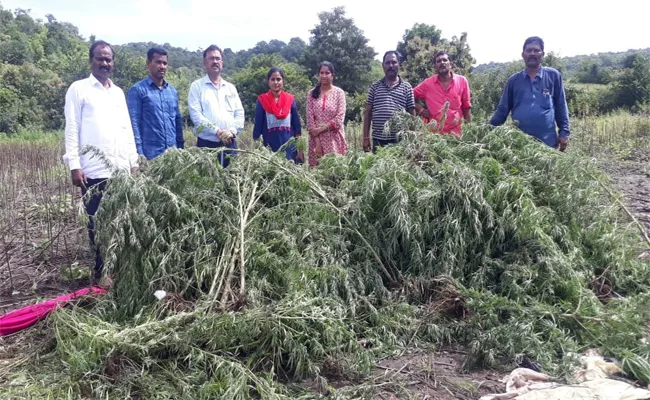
(224, 157)
(382, 142)
(95, 190)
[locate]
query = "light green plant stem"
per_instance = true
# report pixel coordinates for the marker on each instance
(315, 187)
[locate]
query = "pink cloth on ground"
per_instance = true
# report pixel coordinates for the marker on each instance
(25, 317)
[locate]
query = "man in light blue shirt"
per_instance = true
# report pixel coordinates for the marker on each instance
(536, 98)
(215, 107)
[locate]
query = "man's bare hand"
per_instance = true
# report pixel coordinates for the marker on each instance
(366, 143)
(227, 137)
(78, 178)
(563, 142)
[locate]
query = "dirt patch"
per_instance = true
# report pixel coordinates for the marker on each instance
(631, 178)
(436, 376)
(416, 374)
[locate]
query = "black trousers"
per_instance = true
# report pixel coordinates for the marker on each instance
(224, 157)
(95, 190)
(382, 142)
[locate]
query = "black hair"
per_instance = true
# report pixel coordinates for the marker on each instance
(99, 43)
(210, 48)
(273, 70)
(534, 39)
(155, 50)
(438, 54)
(316, 92)
(389, 52)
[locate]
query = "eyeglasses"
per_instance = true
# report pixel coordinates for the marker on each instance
(214, 58)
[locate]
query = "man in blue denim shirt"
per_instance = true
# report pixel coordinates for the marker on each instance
(153, 106)
(536, 98)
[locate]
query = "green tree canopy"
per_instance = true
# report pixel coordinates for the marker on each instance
(631, 89)
(337, 39)
(420, 44)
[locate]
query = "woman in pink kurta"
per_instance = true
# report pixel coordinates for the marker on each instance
(325, 116)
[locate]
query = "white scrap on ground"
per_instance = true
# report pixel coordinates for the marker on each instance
(592, 383)
(160, 294)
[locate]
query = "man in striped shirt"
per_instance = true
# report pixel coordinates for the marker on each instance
(385, 97)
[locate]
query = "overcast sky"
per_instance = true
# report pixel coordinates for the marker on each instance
(496, 29)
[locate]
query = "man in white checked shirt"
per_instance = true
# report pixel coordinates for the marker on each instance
(96, 114)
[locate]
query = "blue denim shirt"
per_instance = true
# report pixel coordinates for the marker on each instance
(536, 106)
(155, 117)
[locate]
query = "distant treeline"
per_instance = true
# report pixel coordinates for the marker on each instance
(39, 59)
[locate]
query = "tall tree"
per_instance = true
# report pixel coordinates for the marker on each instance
(487, 88)
(420, 43)
(553, 60)
(30, 98)
(631, 88)
(338, 40)
(460, 53)
(427, 33)
(294, 50)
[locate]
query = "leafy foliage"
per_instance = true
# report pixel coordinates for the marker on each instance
(272, 272)
(29, 94)
(337, 39)
(420, 44)
(487, 89)
(632, 88)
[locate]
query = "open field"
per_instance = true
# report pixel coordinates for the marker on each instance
(621, 144)
(44, 251)
(42, 244)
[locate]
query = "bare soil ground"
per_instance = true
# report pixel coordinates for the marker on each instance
(435, 375)
(631, 177)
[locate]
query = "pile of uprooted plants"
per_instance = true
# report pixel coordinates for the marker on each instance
(240, 282)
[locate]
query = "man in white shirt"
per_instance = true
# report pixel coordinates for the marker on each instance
(215, 107)
(96, 115)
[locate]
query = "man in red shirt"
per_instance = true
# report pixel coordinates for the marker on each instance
(440, 89)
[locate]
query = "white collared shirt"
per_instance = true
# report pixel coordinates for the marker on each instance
(213, 107)
(98, 116)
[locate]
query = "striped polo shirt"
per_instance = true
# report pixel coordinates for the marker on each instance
(385, 102)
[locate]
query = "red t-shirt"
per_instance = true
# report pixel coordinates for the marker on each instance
(457, 94)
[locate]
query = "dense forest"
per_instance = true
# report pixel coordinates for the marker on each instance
(40, 58)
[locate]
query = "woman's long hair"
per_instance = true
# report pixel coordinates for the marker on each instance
(316, 91)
